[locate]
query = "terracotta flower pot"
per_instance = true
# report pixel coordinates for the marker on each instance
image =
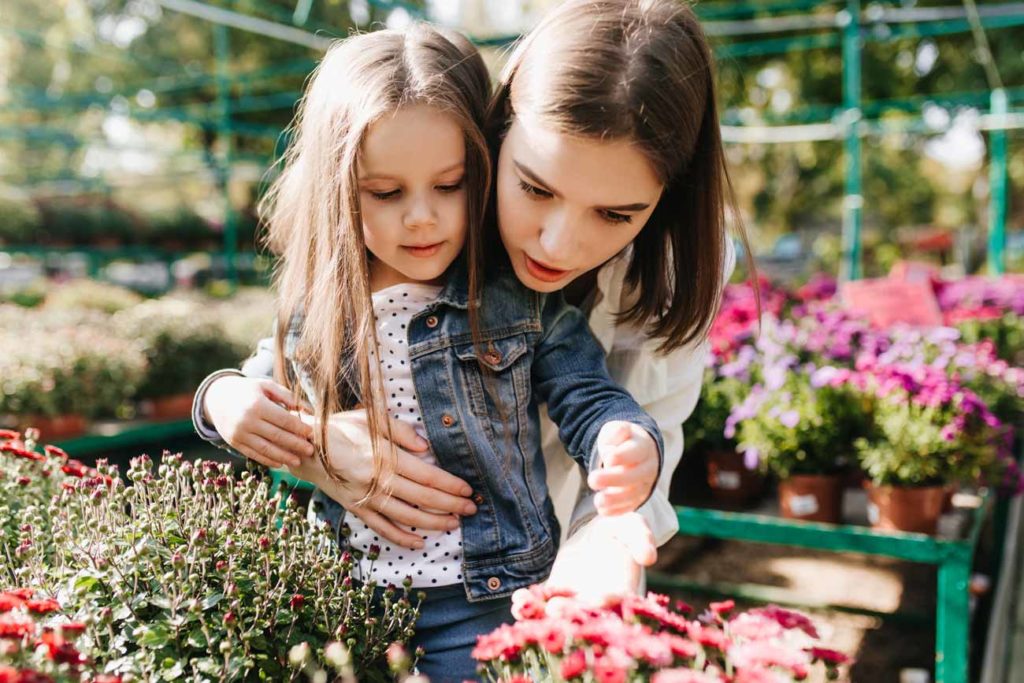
(812, 498)
(905, 508)
(175, 407)
(730, 480)
(57, 428)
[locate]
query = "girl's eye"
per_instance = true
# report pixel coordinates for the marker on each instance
(447, 189)
(384, 196)
(616, 218)
(534, 191)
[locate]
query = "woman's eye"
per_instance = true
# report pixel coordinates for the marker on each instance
(534, 190)
(614, 217)
(453, 187)
(384, 196)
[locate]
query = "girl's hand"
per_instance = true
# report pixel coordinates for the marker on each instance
(604, 558)
(422, 496)
(628, 470)
(252, 415)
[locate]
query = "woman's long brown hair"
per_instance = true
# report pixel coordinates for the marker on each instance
(640, 70)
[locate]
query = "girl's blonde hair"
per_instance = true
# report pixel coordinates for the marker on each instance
(312, 211)
(640, 70)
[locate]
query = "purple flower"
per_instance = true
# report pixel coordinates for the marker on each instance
(790, 419)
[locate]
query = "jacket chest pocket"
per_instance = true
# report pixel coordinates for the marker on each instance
(496, 376)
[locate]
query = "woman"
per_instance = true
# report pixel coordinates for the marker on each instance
(610, 184)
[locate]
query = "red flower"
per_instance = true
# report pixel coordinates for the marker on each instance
(828, 656)
(575, 664)
(722, 607)
(44, 606)
(21, 452)
(16, 625)
(264, 542)
(9, 601)
(74, 468)
(788, 619)
(55, 452)
(296, 602)
(23, 593)
(24, 481)
(9, 434)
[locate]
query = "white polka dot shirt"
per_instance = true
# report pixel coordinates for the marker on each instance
(439, 563)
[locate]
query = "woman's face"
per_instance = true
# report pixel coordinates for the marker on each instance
(568, 204)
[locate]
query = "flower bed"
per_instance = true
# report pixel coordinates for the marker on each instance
(555, 638)
(186, 571)
(814, 387)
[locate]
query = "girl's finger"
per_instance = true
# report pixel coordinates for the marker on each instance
(430, 476)
(281, 418)
(629, 453)
(286, 441)
(387, 529)
(609, 476)
(266, 453)
(278, 394)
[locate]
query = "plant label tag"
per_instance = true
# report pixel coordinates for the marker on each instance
(803, 506)
(886, 302)
(873, 514)
(730, 481)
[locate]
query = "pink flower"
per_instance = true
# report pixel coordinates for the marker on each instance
(685, 676)
(722, 607)
(749, 626)
(575, 664)
(760, 653)
(788, 619)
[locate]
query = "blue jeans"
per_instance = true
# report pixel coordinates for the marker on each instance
(447, 631)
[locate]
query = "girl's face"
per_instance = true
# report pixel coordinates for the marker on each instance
(412, 194)
(568, 204)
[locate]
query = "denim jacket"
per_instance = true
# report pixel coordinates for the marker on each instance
(537, 349)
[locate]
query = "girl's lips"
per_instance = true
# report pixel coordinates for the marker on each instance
(425, 251)
(542, 272)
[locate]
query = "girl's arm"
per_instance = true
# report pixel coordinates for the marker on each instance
(570, 375)
(250, 415)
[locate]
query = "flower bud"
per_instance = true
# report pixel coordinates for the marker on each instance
(230, 619)
(337, 655)
(299, 655)
(296, 602)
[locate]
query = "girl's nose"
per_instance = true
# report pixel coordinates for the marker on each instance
(420, 213)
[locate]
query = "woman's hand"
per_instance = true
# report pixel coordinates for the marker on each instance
(604, 558)
(422, 496)
(252, 415)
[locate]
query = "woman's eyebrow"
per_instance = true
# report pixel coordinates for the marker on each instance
(536, 179)
(533, 177)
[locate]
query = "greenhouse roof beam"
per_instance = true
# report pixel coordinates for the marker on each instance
(244, 22)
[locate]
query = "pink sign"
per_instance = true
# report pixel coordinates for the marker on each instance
(889, 301)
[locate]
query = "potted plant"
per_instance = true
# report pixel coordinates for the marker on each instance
(725, 385)
(928, 432)
(800, 429)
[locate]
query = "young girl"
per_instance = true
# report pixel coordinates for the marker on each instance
(378, 218)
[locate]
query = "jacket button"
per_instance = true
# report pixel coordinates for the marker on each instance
(492, 357)
(478, 499)
(432, 322)
(447, 420)
(493, 583)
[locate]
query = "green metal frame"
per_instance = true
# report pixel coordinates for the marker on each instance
(952, 557)
(126, 435)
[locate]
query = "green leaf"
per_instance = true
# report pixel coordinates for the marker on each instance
(154, 636)
(197, 639)
(211, 600)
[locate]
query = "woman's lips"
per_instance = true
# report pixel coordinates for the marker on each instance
(424, 251)
(543, 272)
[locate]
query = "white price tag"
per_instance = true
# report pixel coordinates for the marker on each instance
(727, 480)
(803, 506)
